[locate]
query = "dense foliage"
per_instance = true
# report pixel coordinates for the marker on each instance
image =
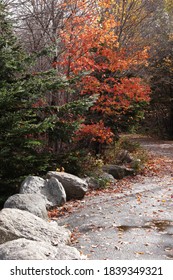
(96, 69)
(28, 123)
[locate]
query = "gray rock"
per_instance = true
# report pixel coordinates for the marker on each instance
(92, 183)
(73, 185)
(32, 184)
(108, 177)
(52, 190)
(15, 223)
(118, 172)
(33, 203)
(24, 249)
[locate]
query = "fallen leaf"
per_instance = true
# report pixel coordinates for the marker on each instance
(94, 246)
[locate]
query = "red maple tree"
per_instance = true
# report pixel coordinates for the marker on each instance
(89, 45)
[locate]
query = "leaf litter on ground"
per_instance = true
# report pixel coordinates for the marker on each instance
(157, 166)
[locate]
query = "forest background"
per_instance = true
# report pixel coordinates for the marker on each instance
(75, 74)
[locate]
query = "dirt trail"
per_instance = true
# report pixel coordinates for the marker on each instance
(157, 147)
(136, 223)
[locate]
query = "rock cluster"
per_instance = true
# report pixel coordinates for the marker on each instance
(25, 230)
(120, 170)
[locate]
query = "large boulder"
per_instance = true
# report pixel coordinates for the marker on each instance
(73, 185)
(55, 192)
(32, 184)
(24, 249)
(52, 190)
(118, 172)
(15, 223)
(33, 203)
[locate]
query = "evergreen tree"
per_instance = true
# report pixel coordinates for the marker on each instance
(23, 124)
(18, 118)
(30, 127)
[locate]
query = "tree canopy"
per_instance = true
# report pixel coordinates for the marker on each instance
(75, 74)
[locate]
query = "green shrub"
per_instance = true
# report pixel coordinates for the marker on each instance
(125, 144)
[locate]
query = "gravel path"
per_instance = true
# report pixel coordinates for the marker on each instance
(134, 224)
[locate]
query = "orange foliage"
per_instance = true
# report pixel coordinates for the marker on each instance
(95, 133)
(120, 95)
(89, 44)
